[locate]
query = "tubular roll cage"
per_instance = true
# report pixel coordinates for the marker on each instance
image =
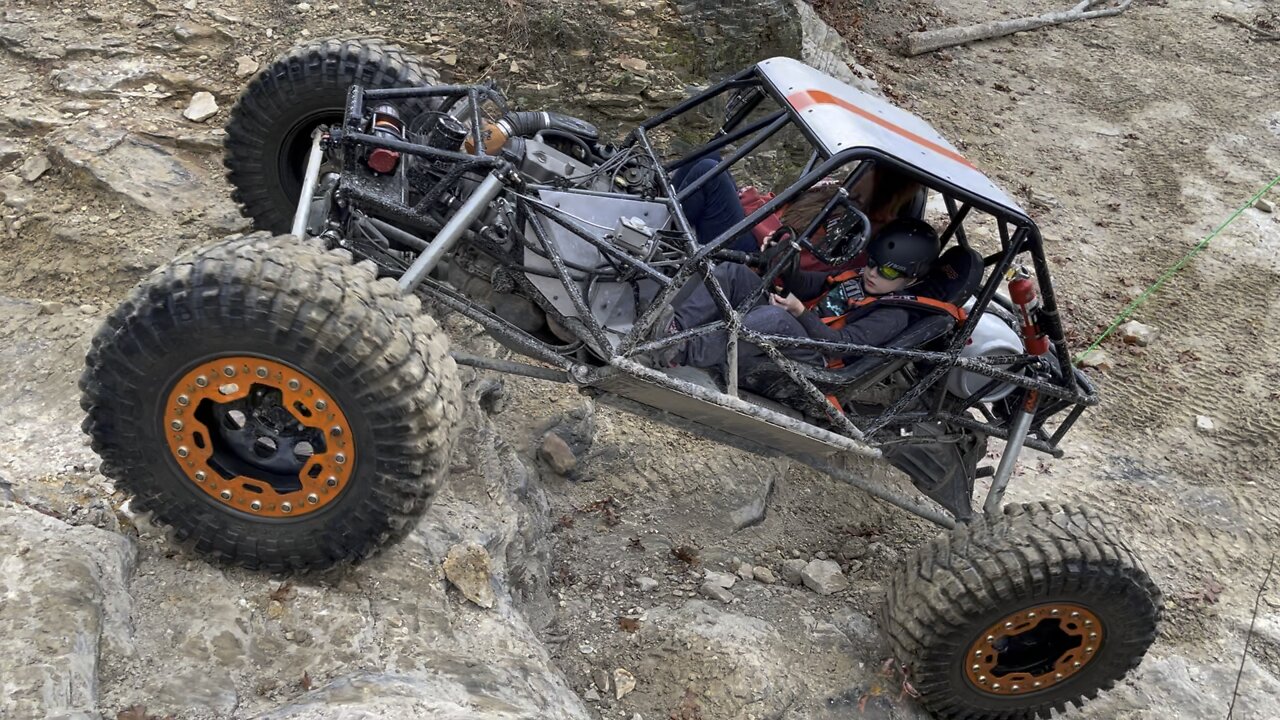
(1039, 399)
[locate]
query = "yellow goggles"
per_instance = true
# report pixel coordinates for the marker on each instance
(886, 272)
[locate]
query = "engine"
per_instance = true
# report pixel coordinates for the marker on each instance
(554, 152)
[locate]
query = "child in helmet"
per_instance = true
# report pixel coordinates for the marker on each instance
(818, 306)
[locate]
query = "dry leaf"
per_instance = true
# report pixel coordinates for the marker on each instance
(629, 624)
(305, 683)
(686, 553)
(283, 593)
(515, 66)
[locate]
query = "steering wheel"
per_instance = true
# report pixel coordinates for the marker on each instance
(780, 257)
(846, 233)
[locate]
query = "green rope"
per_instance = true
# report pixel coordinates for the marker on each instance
(1124, 314)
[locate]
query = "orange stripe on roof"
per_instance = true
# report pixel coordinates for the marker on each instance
(806, 98)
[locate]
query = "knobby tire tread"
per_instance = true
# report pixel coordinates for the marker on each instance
(317, 72)
(938, 602)
(326, 316)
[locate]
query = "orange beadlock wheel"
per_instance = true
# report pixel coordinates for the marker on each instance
(272, 404)
(1034, 648)
(259, 436)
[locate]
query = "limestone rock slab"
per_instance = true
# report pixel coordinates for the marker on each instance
(64, 597)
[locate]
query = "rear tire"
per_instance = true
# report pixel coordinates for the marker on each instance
(276, 406)
(1016, 616)
(269, 132)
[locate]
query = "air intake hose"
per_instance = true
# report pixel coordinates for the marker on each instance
(528, 124)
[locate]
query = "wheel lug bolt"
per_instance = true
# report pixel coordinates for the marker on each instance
(312, 499)
(183, 451)
(332, 481)
(294, 384)
(321, 405)
(262, 372)
(995, 686)
(286, 507)
(201, 381)
(1008, 625)
(1057, 676)
(176, 424)
(184, 400)
(336, 431)
(1037, 684)
(977, 667)
(982, 679)
(199, 476)
(340, 458)
(1015, 688)
(255, 505)
(1075, 664)
(225, 494)
(229, 371)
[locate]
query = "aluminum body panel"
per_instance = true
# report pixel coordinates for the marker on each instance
(611, 303)
(841, 117)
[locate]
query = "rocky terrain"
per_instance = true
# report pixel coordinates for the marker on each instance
(637, 571)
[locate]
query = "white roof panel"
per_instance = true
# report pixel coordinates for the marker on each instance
(841, 117)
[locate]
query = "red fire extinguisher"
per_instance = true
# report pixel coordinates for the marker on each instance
(1022, 290)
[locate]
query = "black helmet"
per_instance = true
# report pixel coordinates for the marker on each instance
(907, 245)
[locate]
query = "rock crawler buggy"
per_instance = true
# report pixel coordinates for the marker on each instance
(282, 406)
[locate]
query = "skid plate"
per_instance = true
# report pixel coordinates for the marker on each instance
(748, 431)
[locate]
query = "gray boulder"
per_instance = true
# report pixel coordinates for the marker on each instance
(824, 577)
(65, 604)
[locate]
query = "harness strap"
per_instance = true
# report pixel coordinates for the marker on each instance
(858, 308)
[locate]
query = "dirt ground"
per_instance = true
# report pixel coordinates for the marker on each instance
(1128, 139)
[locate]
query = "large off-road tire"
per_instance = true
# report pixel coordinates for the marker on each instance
(275, 405)
(269, 133)
(1015, 616)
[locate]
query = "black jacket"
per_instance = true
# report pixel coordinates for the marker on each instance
(876, 327)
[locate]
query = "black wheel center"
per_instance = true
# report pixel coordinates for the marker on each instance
(1035, 651)
(257, 437)
(296, 147)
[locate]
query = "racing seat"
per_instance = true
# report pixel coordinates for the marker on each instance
(954, 278)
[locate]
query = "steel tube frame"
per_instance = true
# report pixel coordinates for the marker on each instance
(697, 261)
(510, 367)
(452, 231)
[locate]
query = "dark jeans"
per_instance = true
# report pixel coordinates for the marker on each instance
(714, 207)
(709, 351)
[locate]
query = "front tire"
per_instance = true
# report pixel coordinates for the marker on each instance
(269, 133)
(276, 406)
(1015, 616)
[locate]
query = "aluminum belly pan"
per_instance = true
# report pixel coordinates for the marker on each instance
(714, 421)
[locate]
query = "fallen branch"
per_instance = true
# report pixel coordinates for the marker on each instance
(1259, 34)
(929, 40)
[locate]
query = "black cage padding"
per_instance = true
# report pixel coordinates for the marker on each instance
(954, 278)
